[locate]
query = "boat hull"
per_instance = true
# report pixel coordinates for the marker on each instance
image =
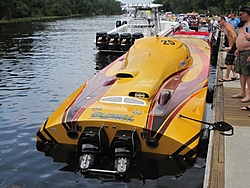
(140, 95)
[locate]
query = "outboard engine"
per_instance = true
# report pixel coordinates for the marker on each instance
(124, 22)
(113, 41)
(125, 41)
(136, 35)
(118, 23)
(102, 40)
(92, 143)
(125, 150)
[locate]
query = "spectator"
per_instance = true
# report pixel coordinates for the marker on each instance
(229, 61)
(234, 21)
(184, 23)
(243, 56)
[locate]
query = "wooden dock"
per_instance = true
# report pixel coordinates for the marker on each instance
(225, 109)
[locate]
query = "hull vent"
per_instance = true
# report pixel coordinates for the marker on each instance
(123, 100)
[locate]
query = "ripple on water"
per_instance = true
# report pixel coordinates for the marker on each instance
(7, 142)
(4, 131)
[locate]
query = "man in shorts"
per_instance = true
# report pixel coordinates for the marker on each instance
(229, 61)
(243, 56)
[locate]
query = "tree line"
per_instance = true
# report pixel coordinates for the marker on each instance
(214, 7)
(39, 8)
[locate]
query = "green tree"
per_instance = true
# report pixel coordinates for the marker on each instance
(37, 8)
(200, 6)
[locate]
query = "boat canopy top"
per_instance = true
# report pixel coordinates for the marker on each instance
(143, 6)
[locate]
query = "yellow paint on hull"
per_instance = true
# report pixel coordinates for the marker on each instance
(151, 65)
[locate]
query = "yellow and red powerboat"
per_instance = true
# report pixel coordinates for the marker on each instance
(136, 105)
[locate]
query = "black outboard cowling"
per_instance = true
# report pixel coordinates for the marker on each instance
(124, 22)
(113, 41)
(102, 40)
(125, 41)
(125, 150)
(136, 35)
(118, 23)
(92, 143)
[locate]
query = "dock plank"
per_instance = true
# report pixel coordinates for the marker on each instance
(233, 114)
(217, 161)
(226, 109)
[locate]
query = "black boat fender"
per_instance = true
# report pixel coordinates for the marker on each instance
(210, 93)
(203, 143)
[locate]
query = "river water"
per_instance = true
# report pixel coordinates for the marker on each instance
(42, 63)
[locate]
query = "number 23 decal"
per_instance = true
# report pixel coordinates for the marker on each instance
(168, 42)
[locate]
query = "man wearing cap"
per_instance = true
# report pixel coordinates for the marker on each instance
(234, 21)
(243, 55)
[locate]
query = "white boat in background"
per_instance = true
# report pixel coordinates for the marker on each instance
(144, 21)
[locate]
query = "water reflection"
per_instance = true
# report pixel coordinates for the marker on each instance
(17, 39)
(149, 167)
(104, 58)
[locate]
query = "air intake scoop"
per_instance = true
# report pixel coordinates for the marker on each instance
(127, 73)
(144, 89)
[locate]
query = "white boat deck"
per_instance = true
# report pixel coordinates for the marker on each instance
(146, 22)
(147, 30)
